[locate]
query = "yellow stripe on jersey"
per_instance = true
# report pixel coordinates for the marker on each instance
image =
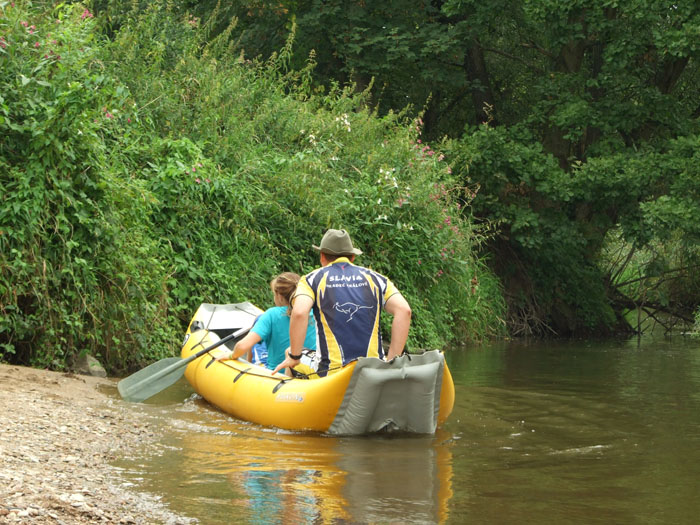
(334, 353)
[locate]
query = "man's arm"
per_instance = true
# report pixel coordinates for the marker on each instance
(397, 306)
(298, 324)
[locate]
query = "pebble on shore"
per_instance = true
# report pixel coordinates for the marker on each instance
(59, 435)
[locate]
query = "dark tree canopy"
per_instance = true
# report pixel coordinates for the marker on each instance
(575, 122)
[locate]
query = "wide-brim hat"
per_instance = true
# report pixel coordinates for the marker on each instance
(337, 242)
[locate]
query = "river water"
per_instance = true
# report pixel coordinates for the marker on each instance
(546, 432)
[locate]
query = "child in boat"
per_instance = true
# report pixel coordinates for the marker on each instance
(272, 327)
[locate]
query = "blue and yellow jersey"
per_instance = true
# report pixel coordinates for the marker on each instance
(348, 301)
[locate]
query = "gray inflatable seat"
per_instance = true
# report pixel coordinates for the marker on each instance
(401, 395)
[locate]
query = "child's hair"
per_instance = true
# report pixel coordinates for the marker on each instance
(285, 284)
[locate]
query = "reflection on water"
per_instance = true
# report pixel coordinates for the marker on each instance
(584, 432)
(214, 467)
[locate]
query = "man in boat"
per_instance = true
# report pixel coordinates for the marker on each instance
(347, 302)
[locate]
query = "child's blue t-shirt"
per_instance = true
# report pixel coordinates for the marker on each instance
(273, 328)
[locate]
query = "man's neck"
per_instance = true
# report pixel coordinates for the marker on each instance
(339, 260)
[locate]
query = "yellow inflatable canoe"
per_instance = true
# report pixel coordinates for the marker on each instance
(412, 393)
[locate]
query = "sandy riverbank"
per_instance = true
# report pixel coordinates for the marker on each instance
(59, 433)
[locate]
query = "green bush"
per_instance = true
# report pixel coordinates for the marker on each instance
(78, 269)
(156, 171)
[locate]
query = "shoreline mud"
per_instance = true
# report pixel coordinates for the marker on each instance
(60, 433)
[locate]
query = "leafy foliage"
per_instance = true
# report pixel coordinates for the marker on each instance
(150, 173)
(77, 268)
(591, 121)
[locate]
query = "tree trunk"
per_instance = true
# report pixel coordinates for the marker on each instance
(478, 78)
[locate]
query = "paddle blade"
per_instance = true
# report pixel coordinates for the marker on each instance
(148, 381)
(160, 375)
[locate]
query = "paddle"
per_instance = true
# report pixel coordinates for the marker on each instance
(158, 376)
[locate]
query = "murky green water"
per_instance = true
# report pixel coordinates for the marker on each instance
(585, 432)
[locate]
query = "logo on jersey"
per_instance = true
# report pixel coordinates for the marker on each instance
(350, 309)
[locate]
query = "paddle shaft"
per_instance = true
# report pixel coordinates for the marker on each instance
(147, 386)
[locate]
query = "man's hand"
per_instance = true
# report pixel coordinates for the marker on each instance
(298, 324)
(287, 363)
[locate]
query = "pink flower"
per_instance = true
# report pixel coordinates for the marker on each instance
(108, 115)
(208, 180)
(197, 180)
(36, 44)
(419, 261)
(25, 24)
(128, 120)
(194, 169)
(86, 14)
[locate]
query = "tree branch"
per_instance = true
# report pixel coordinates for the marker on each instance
(514, 58)
(627, 302)
(541, 50)
(622, 268)
(671, 71)
(455, 100)
(660, 276)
